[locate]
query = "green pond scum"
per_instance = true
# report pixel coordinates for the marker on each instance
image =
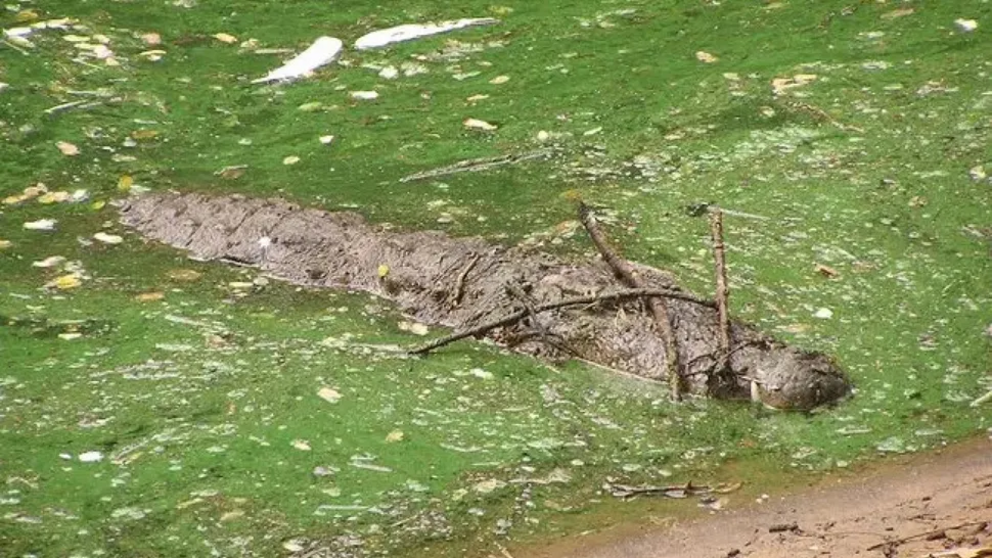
(151, 405)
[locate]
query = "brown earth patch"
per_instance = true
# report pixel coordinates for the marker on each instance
(913, 507)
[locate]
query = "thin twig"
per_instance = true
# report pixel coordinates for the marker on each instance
(15, 47)
(64, 106)
(722, 368)
(504, 551)
(476, 165)
(901, 540)
(821, 114)
(659, 309)
(515, 317)
(456, 298)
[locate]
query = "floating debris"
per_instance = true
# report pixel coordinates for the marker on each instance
(90, 457)
(330, 395)
(408, 32)
(323, 51)
(476, 124)
(108, 238)
(705, 57)
(41, 225)
(966, 25)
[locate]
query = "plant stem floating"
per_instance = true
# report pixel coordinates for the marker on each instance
(410, 31)
(323, 51)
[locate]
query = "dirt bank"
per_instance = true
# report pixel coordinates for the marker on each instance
(945, 498)
(464, 282)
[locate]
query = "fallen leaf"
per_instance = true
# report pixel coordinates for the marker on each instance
(41, 225)
(232, 172)
(226, 38)
(330, 395)
(383, 270)
(25, 16)
(4, 244)
(291, 160)
(90, 457)
(413, 327)
(823, 314)
(780, 85)
(150, 297)
(705, 57)
(499, 80)
(50, 261)
(144, 134)
(55, 197)
(826, 270)
(326, 140)
(183, 275)
(966, 25)
(124, 183)
(152, 55)
(476, 124)
(365, 95)
(151, 39)
(65, 282)
(67, 148)
(108, 238)
(302, 445)
(394, 436)
(476, 98)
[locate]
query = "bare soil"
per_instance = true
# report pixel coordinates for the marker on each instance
(914, 507)
(464, 282)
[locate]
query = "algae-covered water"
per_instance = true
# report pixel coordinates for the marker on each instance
(155, 406)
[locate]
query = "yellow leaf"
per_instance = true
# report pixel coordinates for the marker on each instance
(65, 282)
(25, 16)
(150, 297)
(394, 436)
(98, 205)
(226, 38)
(144, 134)
(124, 183)
(54, 197)
(383, 270)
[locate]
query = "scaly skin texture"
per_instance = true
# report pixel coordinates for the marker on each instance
(341, 250)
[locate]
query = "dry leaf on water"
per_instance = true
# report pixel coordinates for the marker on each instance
(476, 124)
(67, 148)
(65, 282)
(41, 225)
(330, 395)
(151, 39)
(108, 238)
(705, 57)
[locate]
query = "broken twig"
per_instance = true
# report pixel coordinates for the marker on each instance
(659, 309)
(515, 317)
(721, 371)
(456, 297)
(932, 532)
(476, 165)
(676, 491)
